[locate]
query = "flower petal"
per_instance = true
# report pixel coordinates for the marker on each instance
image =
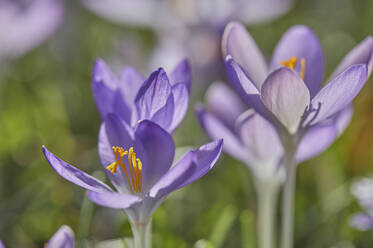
(244, 87)
(286, 96)
(107, 97)
(362, 221)
(260, 138)
(224, 103)
(238, 43)
(158, 149)
(73, 174)
(63, 238)
(181, 74)
(130, 83)
(114, 199)
(360, 54)
(320, 137)
(205, 159)
(164, 116)
(153, 95)
(300, 41)
(216, 129)
(180, 94)
(175, 176)
(338, 93)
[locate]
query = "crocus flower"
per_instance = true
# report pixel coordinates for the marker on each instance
(138, 163)
(160, 98)
(26, 24)
(63, 238)
(287, 93)
(290, 96)
(363, 191)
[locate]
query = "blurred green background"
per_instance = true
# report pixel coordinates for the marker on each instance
(45, 99)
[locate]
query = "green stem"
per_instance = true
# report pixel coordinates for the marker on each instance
(288, 202)
(141, 234)
(267, 197)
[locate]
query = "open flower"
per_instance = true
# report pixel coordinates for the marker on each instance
(159, 98)
(363, 191)
(25, 24)
(290, 96)
(138, 163)
(63, 238)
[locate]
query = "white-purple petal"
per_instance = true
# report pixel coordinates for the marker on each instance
(2, 244)
(362, 221)
(286, 96)
(73, 174)
(63, 238)
(238, 43)
(224, 103)
(338, 93)
(360, 54)
(114, 199)
(300, 41)
(216, 129)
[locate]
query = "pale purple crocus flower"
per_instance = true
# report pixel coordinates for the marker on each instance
(363, 191)
(287, 93)
(138, 161)
(253, 140)
(161, 98)
(26, 24)
(63, 238)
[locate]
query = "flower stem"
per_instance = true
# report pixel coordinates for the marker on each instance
(288, 202)
(141, 234)
(267, 197)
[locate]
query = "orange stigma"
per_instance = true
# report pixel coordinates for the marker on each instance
(135, 167)
(292, 62)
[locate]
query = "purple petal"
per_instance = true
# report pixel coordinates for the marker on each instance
(363, 222)
(181, 74)
(360, 54)
(286, 96)
(260, 138)
(215, 129)
(164, 116)
(320, 137)
(244, 87)
(339, 92)
(205, 159)
(63, 238)
(107, 97)
(2, 244)
(181, 99)
(175, 176)
(224, 103)
(153, 95)
(158, 149)
(73, 174)
(130, 83)
(238, 43)
(114, 199)
(25, 27)
(300, 41)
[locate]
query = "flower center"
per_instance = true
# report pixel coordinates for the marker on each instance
(134, 164)
(292, 62)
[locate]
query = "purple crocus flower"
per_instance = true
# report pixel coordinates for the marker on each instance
(290, 96)
(26, 24)
(63, 238)
(363, 191)
(160, 98)
(138, 163)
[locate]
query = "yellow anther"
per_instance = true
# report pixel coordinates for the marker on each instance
(134, 164)
(292, 62)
